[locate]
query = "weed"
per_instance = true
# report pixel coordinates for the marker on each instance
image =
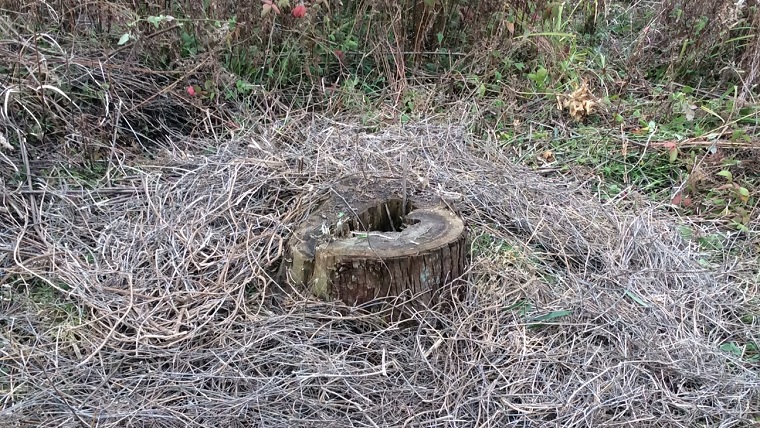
(50, 303)
(748, 351)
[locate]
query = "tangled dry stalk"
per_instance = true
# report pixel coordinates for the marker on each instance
(174, 317)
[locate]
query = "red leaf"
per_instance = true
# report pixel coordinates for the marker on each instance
(299, 11)
(676, 199)
(681, 200)
(341, 56)
(191, 91)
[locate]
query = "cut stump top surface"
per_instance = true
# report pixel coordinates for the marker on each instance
(431, 228)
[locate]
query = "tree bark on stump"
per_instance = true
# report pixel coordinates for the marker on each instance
(384, 251)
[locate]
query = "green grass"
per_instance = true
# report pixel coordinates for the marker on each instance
(43, 296)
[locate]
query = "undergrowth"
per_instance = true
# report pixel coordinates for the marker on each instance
(650, 98)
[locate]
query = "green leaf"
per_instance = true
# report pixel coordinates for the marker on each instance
(705, 263)
(244, 87)
(539, 322)
(727, 174)
(701, 23)
(743, 194)
(733, 348)
(713, 242)
(553, 315)
(741, 227)
(633, 296)
(523, 306)
(740, 135)
(155, 20)
(124, 38)
(685, 232)
(673, 154)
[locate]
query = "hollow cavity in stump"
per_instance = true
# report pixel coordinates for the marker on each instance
(375, 250)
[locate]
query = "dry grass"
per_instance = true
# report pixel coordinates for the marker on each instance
(150, 297)
(172, 316)
(700, 41)
(73, 104)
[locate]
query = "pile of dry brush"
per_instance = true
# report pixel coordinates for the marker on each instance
(173, 316)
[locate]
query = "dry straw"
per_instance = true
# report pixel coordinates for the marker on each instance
(578, 314)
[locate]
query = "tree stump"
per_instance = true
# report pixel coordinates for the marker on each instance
(364, 252)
